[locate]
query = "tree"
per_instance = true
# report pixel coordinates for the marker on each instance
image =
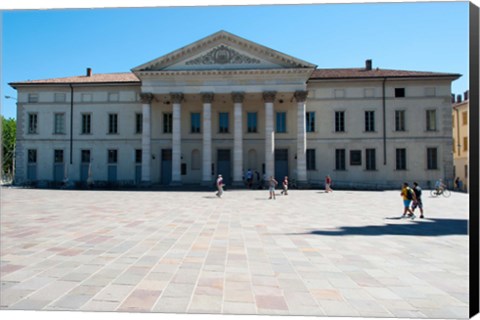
(9, 129)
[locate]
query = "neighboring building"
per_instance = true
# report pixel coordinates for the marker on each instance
(460, 118)
(225, 104)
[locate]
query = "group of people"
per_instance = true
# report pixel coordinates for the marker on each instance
(413, 197)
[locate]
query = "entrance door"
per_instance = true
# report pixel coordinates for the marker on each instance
(166, 167)
(281, 164)
(224, 165)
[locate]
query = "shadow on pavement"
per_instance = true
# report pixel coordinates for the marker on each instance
(427, 227)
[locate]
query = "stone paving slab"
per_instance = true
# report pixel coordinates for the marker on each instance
(345, 253)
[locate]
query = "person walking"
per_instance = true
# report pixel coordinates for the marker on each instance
(407, 195)
(220, 185)
(328, 184)
(285, 186)
(417, 202)
(249, 178)
(272, 183)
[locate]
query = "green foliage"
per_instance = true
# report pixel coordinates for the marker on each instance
(9, 129)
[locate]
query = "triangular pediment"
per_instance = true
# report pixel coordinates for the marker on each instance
(223, 51)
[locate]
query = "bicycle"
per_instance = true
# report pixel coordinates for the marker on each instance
(443, 191)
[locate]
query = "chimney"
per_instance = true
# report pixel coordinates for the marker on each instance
(453, 97)
(368, 64)
(459, 98)
(89, 72)
(465, 95)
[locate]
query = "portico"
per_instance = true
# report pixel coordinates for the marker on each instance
(216, 79)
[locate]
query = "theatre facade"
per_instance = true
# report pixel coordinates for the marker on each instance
(223, 105)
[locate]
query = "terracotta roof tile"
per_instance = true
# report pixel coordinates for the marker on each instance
(356, 73)
(126, 77)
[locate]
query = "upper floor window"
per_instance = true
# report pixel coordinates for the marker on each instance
(32, 123)
(32, 156)
(60, 97)
(86, 123)
(33, 97)
(138, 123)
(113, 123)
(138, 156)
(252, 122)
(310, 121)
(369, 121)
(399, 120)
(399, 92)
(58, 156)
(340, 121)
(167, 122)
(59, 123)
(464, 118)
(195, 122)
(431, 116)
(465, 143)
(281, 125)
(223, 122)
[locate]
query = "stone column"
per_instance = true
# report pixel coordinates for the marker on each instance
(237, 138)
(177, 99)
(269, 98)
(146, 99)
(301, 97)
(207, 99)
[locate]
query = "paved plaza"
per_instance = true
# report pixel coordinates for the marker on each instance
(345, 253)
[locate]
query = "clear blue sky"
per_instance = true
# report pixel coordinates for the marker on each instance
(42, 44)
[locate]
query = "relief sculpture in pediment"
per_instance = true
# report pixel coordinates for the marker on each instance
(223, 55)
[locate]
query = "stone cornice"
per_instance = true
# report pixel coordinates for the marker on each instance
(225, 72)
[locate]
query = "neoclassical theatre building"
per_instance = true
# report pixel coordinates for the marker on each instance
(223, 105)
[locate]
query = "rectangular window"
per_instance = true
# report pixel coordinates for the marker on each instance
(369, 121)
(311, 161)
(281, 125)
(113, 96)
(399, 92)
(195, 122)
(339, 159)
(399, 120)
(431, 120)
(138, 123)
(85, 156)
(32, 156)
(401, 159)
(60, 97)
(32, 123)
(112, 156)
(355, 157)
(310, 119)
(32, 97)
(432, 159)
(464, 118)
(370, 160)
(223, 122)
(59, 123)
(138, 156)
(465, 143)
(86, 123)
(58, 156)
(339, 121)
(113, 123)
(251, 122)
(167, 122)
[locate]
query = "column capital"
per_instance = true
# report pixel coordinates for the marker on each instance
(146, 97)
(177, 97)
(269, 96)
(238, 97)
(300, 96)
(207, 97)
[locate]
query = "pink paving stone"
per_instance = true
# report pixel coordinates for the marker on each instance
(140, 300)
(10, 268)
(271, 302)
(211, 282)
(326, 294)
(71, 252)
